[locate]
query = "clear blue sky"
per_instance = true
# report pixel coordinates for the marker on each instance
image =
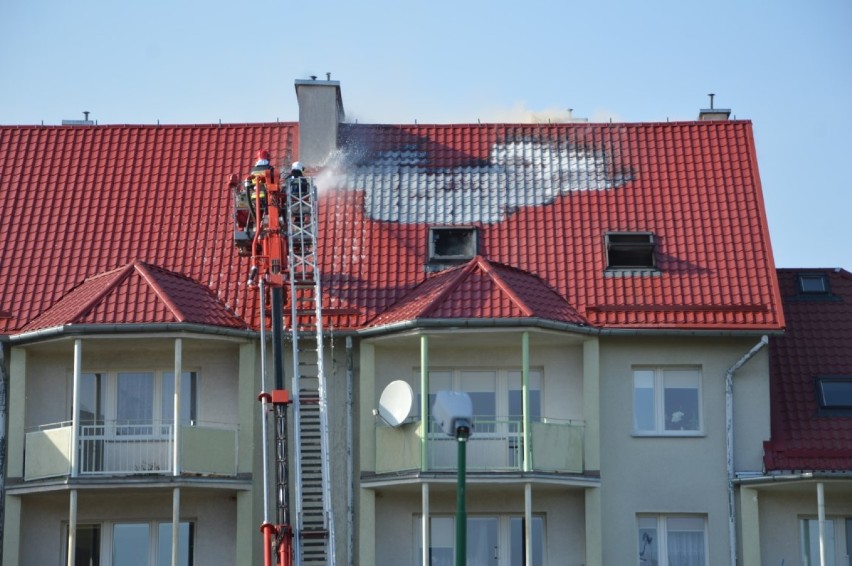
(787, 66)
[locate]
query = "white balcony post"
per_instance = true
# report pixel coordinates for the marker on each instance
(821, 521)
(176, 411)
(424, 527)
(424, 403)
(528, 523)
(175, 525)
(525, 398)
(72, 527)
(75, 404)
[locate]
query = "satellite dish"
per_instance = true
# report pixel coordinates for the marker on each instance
(396, 402)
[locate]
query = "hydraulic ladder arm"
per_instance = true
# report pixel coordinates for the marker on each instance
(276, 226)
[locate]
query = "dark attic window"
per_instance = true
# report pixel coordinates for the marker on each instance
(452, 244)
(835, 394)
(813, 284)
(630, 250)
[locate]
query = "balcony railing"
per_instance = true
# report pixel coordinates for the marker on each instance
(495, 445)
(122, 448)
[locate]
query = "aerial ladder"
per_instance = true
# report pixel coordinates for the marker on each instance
(276, 225)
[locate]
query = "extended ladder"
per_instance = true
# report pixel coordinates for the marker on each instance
(314, 525)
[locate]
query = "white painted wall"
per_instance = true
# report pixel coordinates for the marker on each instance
(673, 474)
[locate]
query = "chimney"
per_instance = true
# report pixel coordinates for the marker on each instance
(320, 112)
(714, 113)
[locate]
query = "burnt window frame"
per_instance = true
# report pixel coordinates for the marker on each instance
(470, 245)
(636, 246)
(834, 410)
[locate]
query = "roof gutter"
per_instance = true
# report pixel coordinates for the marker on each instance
(475, 323)
(89, 329)
(797, 477)
(729, 442)
(549, 324)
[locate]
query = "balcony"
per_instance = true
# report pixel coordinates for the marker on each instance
(494, 446)
(120, 449)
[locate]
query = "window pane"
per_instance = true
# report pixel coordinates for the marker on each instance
(813, 283)
(810, 542)
(130, 545)
(438, 381)
(187, 397)
(517, 544)
(681, 400)
(643, 400)
(516, 395)
(482, 541)
(88, 551)
(648, 542)
(685, 536)
(441, 530)
(135, 403)
(835, 393)
(92, 388)
(164, 544)
(481, 386)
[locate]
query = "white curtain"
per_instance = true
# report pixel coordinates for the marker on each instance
(686, 548)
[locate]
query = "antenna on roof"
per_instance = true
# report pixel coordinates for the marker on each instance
(711, 95)
(328, 76)
(86, 115)
(313, 77)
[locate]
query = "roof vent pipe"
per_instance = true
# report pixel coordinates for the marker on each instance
(713, 113)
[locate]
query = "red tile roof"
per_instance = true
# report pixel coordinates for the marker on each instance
(81, 201)
(542, 198)
(138, 293)
(480, 289)
(87, 200)
(817, 342)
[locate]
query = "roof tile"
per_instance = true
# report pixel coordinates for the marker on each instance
(817, 342)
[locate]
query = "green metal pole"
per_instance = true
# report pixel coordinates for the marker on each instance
(525, 400)
(461, 513)
(424, 403)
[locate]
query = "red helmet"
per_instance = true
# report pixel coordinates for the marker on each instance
(263, 154)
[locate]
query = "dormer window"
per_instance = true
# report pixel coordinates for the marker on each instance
(630, 250)
(454, 244)
(813, 284)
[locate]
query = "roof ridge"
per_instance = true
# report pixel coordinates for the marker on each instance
(124, 273)
(504, 285)
(452, 285)
(144, 270)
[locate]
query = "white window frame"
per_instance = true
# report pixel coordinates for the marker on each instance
(504, 535)
(662, 531)
(504, 378)
(107, 537)
(837, 534)
(110, 400)
(660, 410)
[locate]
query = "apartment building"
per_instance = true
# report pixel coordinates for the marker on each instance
(603, 293)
